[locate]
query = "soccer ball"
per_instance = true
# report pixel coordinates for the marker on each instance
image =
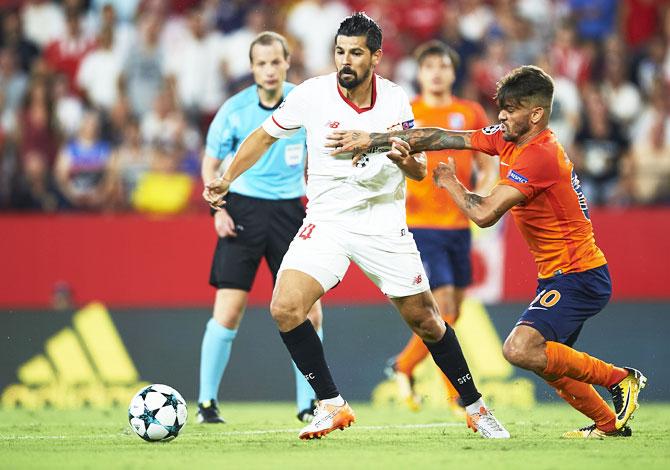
(157, 413)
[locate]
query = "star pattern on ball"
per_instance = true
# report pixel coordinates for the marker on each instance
(158, 414)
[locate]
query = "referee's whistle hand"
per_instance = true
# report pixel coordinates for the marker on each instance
(215, 191)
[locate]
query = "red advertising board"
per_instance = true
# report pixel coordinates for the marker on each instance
(139, 261)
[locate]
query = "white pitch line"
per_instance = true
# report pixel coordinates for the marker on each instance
(358, 428)
(236, 433)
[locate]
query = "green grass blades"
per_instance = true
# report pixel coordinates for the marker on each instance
(265, 435)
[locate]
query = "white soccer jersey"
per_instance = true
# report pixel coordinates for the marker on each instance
(369, 199)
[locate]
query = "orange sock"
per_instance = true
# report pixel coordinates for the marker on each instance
(563, 361)
(452, 393)
(449, 318)
(414, 352)
(584, 398)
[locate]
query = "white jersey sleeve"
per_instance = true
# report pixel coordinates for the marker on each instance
(290, 116)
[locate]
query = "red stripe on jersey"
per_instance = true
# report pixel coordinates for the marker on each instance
(285, 128)
(353, 105)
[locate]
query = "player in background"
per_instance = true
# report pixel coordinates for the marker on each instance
(441, 230)
(264, 212)
(539, 186)
(354, 214)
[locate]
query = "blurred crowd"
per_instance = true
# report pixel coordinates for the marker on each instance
(104, 104)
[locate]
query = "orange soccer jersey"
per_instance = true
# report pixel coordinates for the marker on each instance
(554, 219)
(427, 207)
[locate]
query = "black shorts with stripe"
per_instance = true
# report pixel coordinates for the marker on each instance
(265, 228)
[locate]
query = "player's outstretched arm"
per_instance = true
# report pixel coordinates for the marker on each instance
(249, 152)
(482, 210)
(419, 139)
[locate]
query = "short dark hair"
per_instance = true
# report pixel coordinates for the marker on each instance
(265, 39)
(527, 84)
(360, 24)
(435, 47)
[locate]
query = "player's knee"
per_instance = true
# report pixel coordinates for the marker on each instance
(515, 352)
(283, 311)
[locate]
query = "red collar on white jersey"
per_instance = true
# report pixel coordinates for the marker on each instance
(353, 105)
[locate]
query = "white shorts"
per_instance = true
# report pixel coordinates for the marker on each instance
(323, 250)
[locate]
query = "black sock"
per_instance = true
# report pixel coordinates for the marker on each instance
(306, 351)
(449, 358)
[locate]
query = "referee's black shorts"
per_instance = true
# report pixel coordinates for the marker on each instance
(265, 228)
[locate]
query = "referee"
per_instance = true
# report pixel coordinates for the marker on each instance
(262, 215)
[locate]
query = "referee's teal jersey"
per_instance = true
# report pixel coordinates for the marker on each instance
(279, 174)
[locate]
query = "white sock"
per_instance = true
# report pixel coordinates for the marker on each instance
(337, 401)
(474, 407)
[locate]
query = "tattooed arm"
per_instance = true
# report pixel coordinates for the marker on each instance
(426, 138)
(419, 139)
(482, 210)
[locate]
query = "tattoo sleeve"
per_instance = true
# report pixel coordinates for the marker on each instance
(424, 138)
(472, 200)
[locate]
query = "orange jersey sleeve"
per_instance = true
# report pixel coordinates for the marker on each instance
(554, 219)
(488, 140)
(428, 206)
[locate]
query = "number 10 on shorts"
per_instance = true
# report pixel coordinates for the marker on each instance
(547, 299)
(306, 231)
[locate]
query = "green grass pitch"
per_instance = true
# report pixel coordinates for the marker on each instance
(262, 435)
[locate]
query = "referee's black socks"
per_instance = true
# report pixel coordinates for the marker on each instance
(448, 356)
(306, 351)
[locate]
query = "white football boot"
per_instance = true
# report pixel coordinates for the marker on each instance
(328, 418)
(487, 424)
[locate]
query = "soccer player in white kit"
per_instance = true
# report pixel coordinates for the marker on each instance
(354, 213)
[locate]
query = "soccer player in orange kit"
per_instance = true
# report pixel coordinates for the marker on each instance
(539, 186)
(440, 229)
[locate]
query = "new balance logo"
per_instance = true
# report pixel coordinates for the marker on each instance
(87, 364)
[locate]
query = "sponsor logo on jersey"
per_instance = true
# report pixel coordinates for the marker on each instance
(401, 126)
(514, 176)
(456, 121)
(418, 279)
(333, 124)
(490, 130)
